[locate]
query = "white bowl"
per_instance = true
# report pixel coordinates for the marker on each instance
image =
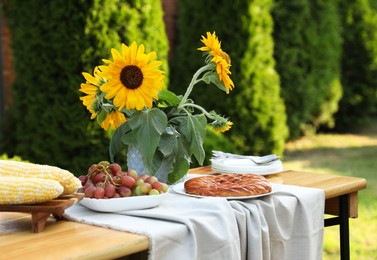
(123, 204)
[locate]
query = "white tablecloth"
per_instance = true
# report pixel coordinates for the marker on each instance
(285, 225)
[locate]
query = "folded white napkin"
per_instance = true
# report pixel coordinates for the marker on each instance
(231, 165)
(285, 225)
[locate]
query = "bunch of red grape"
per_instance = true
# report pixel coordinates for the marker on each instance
(106, 181)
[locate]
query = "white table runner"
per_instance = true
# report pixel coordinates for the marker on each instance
(285, 225)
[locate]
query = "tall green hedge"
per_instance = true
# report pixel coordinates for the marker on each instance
(244, 27)
(112, 22)
(47, 123)
(307, 52)
(359, 64)
(52, 43)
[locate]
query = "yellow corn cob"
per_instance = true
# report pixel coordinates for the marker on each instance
(32, 170)
(17, 190)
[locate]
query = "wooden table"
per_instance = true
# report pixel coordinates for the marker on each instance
(71, 240)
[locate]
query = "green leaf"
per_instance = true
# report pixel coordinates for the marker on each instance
(175, 166)
(169, 97)
(194, 129)
(213, 77)
(101, 116)
(129, 139)
(147, 127)
(116, 143)
(165, 169)
(168, 144)
(181, 168)
(153, 166)
(164, 156)
(181, 163)
(207, 77)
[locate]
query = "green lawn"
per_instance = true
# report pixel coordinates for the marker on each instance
(349, 155)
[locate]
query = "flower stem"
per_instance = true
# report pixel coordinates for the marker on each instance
(199, 108)
(192, 84)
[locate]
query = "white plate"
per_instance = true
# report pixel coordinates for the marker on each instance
(234, 171)
(180, 188)
(245, 166)
(123, 204)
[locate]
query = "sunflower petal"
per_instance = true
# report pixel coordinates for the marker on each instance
(133, 51)
(140, 52)
(124, 50)
(116, 55)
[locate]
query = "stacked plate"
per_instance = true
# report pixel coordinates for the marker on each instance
(232, 163)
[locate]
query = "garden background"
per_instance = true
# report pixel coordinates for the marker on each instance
(302, 69)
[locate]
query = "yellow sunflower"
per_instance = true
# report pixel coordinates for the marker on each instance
(91, 88)
(133, 80)
(211, 43)
(224, 127)
(220, 58)
(113, 120)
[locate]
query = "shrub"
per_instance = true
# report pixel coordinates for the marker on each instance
(359, 65)
(307, 53)
(15, 158)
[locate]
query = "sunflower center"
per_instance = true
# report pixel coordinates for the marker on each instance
(131, 77)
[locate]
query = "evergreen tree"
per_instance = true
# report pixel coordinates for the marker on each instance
(307, 52)
(359, 65)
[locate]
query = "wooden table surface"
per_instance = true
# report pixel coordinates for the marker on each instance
(71, 240)
(63, 240)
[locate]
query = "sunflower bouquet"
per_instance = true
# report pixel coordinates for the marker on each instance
(127, 94)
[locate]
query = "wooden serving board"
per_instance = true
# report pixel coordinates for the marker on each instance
(40, 212)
